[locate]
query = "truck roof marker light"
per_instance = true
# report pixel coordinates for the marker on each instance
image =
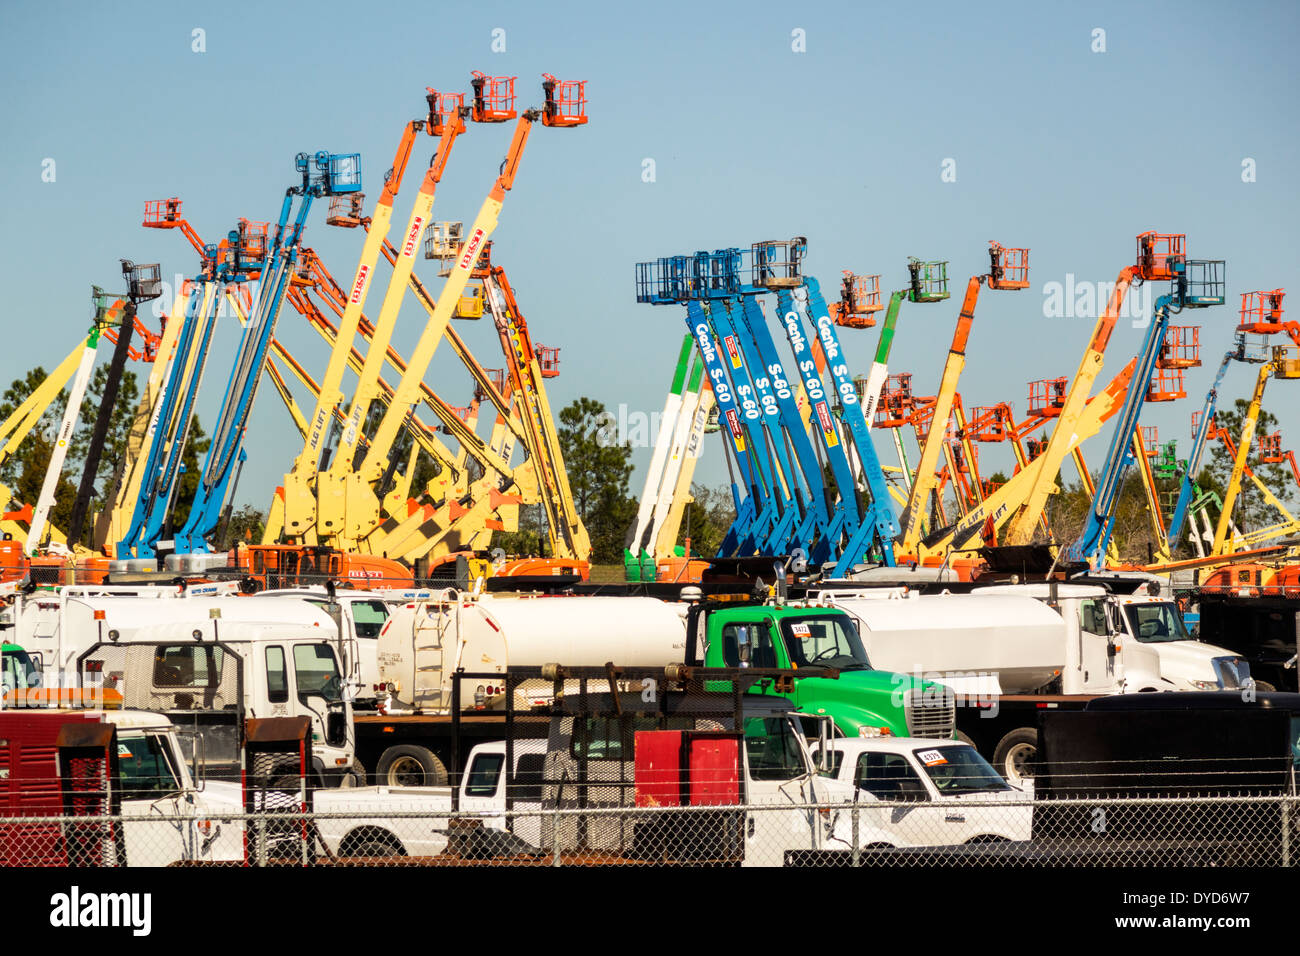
(99, 614)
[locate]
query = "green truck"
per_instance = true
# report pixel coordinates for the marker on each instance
(862, 702)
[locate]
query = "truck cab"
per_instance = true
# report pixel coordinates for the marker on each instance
(210, 674)
(862, 700)
(1153, 651)
(938, 792)
(169, 816)
(362, 615)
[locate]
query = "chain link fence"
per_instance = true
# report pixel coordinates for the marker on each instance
(1226, 830)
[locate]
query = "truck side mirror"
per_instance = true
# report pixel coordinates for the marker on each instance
(743, 645)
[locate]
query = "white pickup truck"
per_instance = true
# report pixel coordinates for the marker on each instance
(172, 813)
(916, 791)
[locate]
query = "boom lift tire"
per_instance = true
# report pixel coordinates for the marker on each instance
(1016, 749)
(410, 765)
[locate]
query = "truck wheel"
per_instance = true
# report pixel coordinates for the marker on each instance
(964, 738)
(371, 842)
(357, 775)
(1264, 687)
(410, 765)
(1013, 754)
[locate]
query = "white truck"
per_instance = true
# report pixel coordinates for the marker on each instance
(926, 792)
(1145, 618)
(1012, 650)
(172, 812)
(211, 665)
(61, 623)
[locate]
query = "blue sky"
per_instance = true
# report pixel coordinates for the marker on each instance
(1056, 147)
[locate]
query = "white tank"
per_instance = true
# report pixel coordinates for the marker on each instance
(982, 645)
(423, 642)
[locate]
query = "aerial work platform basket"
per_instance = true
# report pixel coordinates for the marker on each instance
(988, 423)
(1181, 348)
(1204, 283)
(566, 101)
(470, 305)
(896, 402)
(1196, 424)
(1166, 385)
(1270, 449)
(443, 108)
(777, 263)
(1261, 312)
(442, 239)
(346, 211)
(929, 280)
(1286, 361)
(1008, 268)
(1165, 464)
(1150, 440)
(494, 98)
(1160, 255)
(548, 360)
(162, 213)
(143, 280)
(1047, 397)
(859, 301)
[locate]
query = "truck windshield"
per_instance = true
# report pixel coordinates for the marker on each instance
(828, 640)
(959, 769)
(1156, 622)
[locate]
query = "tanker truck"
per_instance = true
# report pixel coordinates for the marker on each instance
(1011, 651)
(424, 643)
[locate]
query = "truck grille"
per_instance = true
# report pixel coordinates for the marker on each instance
(928, 714)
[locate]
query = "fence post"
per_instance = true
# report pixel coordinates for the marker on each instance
(1286, 830)
(555, 835)
(856, 853)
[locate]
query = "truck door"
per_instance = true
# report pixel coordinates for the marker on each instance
(913, 820)
(151, 789)
(1096, 663)
(776, 773)
(319, 687)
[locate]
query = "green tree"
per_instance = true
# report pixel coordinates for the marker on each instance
(246, 524)
(531, 537)
(599, 469)
(1251, 510)
(706, 519)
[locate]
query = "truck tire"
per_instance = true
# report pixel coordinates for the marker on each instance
(964, 738)
(357, 775)
(371, 842)
(1264, 687)
(410, 765)
(1013, 752)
